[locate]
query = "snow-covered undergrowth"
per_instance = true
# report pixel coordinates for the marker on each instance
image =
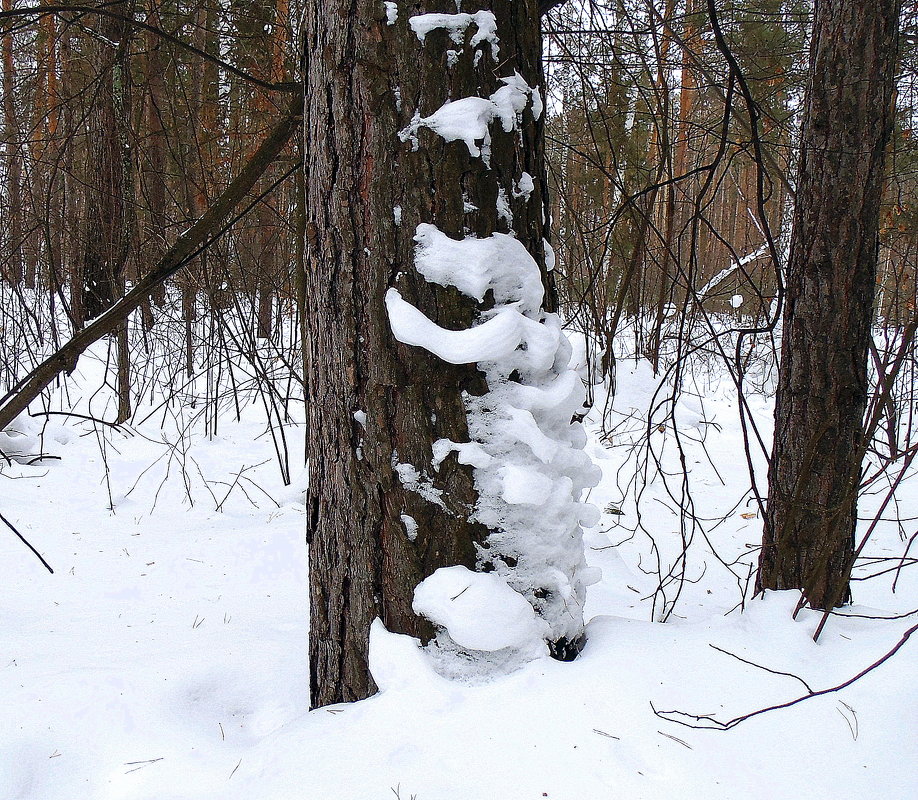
(166, 656)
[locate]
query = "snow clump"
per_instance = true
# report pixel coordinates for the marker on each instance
(529, 466)
(456, 26)
(478, 609)
(469, 119)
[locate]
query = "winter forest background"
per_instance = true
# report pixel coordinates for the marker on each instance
(160, 152)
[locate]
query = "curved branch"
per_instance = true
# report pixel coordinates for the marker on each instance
(707, 722)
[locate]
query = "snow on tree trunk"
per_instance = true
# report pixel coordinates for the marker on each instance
(441, 402)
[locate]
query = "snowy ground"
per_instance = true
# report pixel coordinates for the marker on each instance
(166, 656)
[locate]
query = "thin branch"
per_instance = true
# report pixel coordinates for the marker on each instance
(708, 722)
(102, 11)
(26, 543)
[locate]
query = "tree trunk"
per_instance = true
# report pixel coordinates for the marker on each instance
(374, 404)
(822, 389)
(11, 257)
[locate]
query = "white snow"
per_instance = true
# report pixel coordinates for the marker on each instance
(525, 186)
(466, 453)
(417, 482)
(166, 658)
(524, 486)
(736, 301)
(495, 338)
(391, 12)
(499, 262)
(549, 256)
(477, 609)
(456, 26)
(530, 470)
(468, 119)
(504, 214)
(411, 526)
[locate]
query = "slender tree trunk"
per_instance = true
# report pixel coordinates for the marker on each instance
(11, 258)
(107, 214)
(375, 404)
(155, 174)
(822, 389)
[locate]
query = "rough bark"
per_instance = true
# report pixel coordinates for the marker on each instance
(11, 257)
(107, 214)
(822, 388)
(365, 81)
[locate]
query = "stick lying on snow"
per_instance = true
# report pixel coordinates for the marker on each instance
(189, 244)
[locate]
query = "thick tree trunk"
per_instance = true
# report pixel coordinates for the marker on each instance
(376, 405)
(822, 390)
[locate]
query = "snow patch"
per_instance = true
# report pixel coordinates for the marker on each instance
(549, 256)
(497, 337)
(499, 263)
(525, 186)
(468, 453)
(468, 120)
(504, 214)
(417, 482)
(478, 610)
(456, 26)
(411, 526)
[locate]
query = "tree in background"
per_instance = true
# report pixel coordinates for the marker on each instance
(819, 440)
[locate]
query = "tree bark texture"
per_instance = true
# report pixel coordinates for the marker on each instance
(822, 389)
(11, 256)
(374, 403)
(107, 222)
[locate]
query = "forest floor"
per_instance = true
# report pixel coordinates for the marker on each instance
(166, 657)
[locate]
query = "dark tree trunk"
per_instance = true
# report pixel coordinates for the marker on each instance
(156, 166)
(11, 257)
(366, 192)
(822, 389)
(108, 225)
